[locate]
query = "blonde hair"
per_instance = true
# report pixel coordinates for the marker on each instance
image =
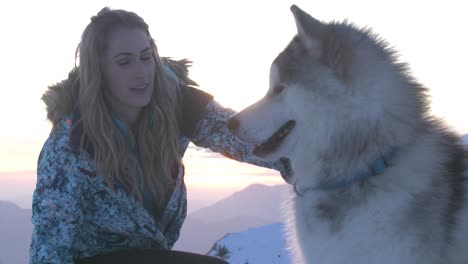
(156, 132)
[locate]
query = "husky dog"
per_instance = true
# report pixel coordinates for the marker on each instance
(375, 178)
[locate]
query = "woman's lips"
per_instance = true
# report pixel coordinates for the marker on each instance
(140, 88)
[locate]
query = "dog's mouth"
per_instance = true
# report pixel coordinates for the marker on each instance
(274, 141)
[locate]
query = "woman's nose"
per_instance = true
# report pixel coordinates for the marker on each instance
(139, 69)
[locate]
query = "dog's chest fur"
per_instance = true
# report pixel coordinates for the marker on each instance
(334, 229)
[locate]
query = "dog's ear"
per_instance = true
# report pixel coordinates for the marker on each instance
(310, 30)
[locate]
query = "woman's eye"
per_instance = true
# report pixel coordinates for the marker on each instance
(146, 58)
(278, 89)
(122, 62)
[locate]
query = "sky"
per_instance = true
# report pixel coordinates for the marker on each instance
(231, 44)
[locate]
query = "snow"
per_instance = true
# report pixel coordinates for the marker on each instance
(265, 244)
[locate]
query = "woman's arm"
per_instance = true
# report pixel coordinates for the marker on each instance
(57, 207)
(212, 132)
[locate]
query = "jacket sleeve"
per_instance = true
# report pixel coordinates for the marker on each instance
(212, 132)
(57, 208)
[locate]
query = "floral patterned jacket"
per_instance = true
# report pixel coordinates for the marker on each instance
(76, 215)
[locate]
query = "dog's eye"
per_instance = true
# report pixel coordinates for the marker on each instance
(278, 89)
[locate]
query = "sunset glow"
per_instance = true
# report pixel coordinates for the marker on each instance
(218, 172)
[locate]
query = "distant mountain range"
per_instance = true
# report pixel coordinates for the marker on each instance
(257, 200)
(256, 205)
(15, 233)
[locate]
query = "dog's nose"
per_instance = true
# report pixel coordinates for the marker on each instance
(232, 123)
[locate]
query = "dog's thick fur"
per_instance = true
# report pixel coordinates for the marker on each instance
(351, 102)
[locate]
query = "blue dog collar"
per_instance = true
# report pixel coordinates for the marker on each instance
(377, 167)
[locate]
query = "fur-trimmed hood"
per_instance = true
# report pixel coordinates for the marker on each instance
(61, 97)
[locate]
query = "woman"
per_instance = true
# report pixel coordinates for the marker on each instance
(110, 184)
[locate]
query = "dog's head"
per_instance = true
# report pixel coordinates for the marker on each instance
(335, 87)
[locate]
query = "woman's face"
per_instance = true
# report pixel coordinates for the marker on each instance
(129, 70)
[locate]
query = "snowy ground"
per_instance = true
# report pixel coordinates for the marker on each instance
(261, 245)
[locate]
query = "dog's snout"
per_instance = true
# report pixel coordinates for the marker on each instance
(233, 123)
